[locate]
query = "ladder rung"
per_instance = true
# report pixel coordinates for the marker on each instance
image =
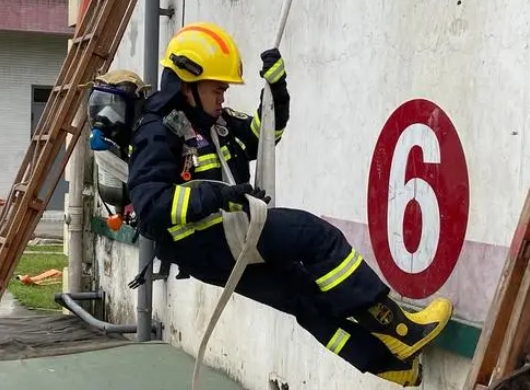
(62, 88)
(70, 129)
(41, 138)
(100, 54)
(20, 187)
(84, 38)
(37, 204)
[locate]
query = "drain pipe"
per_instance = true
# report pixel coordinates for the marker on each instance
(74, 216)
(151, 37)
(145, 291)
(146, 246)
(67, 300)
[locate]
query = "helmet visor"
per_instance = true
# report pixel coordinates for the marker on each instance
(107, 106)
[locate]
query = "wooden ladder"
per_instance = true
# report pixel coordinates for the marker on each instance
(92, 51)
(503, 347)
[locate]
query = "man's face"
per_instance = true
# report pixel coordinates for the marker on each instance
(212, 96)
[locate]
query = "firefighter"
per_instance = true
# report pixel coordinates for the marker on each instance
(310, 269)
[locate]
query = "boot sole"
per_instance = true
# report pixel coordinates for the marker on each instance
(397, 379)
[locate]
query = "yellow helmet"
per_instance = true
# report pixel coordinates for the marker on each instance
(204, 51)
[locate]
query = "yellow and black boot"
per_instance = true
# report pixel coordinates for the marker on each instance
(406, 333)
(406, 374)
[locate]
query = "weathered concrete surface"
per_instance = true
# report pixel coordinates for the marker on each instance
(50, 229)
(10, 307)
(151, 366)
(350, 65)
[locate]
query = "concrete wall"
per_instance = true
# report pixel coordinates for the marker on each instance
(252, 343)
(347, 154)
(26, 59)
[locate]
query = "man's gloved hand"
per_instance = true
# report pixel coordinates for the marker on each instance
(273, 69)
(234, 196)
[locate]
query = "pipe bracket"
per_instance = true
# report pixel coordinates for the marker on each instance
(169, 12)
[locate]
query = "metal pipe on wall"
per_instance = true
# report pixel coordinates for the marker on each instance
(67, 300)
(144, 307)
(74, 216)
(151, 37)
(146, 247)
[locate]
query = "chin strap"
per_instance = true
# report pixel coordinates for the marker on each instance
(195, 91)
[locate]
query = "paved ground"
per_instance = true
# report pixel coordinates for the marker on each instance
(153, 366)
(50, 228)
(10, 307)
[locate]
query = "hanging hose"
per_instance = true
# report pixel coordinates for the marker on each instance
(242, 236)
(265, 177)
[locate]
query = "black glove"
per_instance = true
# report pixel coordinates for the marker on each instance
(234, 196)
(273, 69)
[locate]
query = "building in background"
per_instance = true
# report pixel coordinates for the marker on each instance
(33, 44)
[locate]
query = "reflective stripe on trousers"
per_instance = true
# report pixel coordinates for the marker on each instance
(340, 273)
(338, 341)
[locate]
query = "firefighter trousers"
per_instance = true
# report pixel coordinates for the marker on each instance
(310, 272)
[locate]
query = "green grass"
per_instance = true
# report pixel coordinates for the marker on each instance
(34, 296)
(44, 248)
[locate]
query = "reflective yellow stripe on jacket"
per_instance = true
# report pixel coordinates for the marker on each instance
(275, 72)
(181, 201)
(179, 210)
(255, 127)
(181, 227)
(210, 160)
(178, 232)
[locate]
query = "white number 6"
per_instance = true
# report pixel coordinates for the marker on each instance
(401, 193)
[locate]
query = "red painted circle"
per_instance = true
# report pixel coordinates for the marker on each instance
(449, 181)
(412, 226)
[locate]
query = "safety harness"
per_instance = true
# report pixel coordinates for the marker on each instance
(236, 224)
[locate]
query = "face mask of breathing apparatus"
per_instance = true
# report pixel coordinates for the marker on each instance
(114, 104)
(111, 113)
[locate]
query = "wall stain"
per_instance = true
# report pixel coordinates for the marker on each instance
(133, 35)
(275, 384)
(458, 26)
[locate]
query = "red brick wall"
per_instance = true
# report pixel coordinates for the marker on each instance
(47, 16)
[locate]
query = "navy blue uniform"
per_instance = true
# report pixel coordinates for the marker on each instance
(310, 272)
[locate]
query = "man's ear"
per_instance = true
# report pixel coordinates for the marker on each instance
(186, 91)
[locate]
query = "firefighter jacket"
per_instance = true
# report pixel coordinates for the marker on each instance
(167, 208)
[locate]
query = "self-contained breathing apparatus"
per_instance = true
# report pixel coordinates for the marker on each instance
(114, 104)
